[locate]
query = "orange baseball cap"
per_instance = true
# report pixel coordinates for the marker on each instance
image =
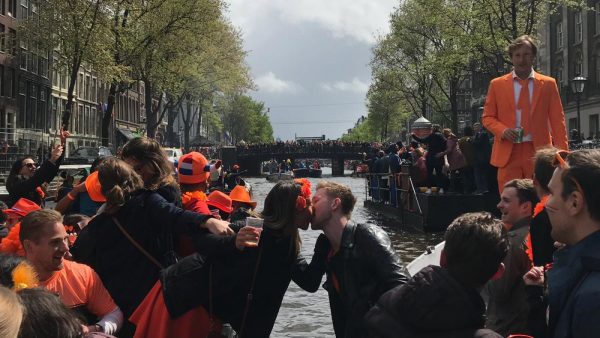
(192, 168)
(22, 207)
(94, 189)
(220, 200)
(240, 194)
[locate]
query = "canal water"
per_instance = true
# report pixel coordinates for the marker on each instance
(303, 314)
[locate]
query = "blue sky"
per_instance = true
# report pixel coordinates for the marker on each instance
(309, 59)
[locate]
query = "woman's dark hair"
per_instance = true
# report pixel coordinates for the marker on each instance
(468, 131)
(8, 263)
(280, 209)
(17, 165)
(96, 163)
(150, 153)
(118, 181)
(45, 316)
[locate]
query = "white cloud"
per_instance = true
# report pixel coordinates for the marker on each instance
(361, 20)
(356, 86)
(270, 83)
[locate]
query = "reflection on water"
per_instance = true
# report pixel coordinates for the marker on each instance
(307, 315)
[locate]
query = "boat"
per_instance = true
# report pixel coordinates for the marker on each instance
(276, 177)
(316, 173)
(431, 256)
(301, 172)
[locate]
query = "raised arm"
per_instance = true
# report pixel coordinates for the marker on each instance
(309, 276)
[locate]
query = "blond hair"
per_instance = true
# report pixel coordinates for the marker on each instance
(521, 41)
(11, 313)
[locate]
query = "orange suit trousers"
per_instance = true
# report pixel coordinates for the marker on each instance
(520, 164)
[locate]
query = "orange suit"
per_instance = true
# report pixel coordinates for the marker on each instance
(547, 125)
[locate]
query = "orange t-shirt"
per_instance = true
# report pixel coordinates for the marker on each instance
(79, 285)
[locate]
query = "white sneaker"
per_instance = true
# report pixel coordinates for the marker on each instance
(428, 191)
(441, 191)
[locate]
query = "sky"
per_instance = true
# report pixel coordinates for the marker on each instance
(310, 60)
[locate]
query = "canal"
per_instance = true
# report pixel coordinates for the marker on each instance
(303, 314)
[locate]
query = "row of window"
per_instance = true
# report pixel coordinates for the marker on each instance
(578, 26)
(593, 123)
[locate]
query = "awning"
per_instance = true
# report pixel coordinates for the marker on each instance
(127, 134)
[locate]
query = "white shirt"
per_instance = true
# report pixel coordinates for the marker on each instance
(517, 92)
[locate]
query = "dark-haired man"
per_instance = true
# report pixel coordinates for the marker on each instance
(574, 211)
(524, 112)
(362, 264)
(46, 244)
(444, 301)
(508, 309)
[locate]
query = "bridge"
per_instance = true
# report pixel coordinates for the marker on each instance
(251, 157)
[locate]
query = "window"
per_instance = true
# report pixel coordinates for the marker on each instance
(578, 64)
(2, 37)
(88, 90)
(24, 9)
(594, 125)
(94, 96)
(578, 27)
(597, 64)
(12, 8)
(88, 124)
(2, 7)
(559, 36)
(597, 16)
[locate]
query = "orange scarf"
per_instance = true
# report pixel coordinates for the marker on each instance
(190, 195)
(538, 208)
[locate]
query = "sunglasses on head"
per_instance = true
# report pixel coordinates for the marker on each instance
(560, 162)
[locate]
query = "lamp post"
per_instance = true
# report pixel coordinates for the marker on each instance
(577, 85)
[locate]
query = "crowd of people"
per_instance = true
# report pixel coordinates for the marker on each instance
(440, 162)
(305, 147)
(143, 249)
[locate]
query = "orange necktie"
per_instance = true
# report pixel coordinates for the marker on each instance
(524, 105)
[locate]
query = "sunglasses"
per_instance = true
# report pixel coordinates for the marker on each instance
(560, 162)
(31, 165)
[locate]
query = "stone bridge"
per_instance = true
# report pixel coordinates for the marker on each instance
(250, 158)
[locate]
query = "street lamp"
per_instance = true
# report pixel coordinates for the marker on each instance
(577, 85)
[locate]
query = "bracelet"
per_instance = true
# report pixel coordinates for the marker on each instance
(70, 197)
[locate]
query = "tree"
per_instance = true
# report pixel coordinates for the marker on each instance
(78, 31)
(246, 119)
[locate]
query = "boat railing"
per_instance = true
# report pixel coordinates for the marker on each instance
(395, 189)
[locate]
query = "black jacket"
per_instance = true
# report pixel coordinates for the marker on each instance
(127, 273)
(436, 143)
(19, 186)
(482, 148)
(432, 304)
(542, 244)
(186, 284)
(366, 266)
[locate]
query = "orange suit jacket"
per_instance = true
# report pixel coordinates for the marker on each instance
(547, 115)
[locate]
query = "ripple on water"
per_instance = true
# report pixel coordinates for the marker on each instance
(304, 314)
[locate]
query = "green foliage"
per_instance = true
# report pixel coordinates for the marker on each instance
(245, 119)
(434, 45)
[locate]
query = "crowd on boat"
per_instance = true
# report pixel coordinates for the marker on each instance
(139, 249)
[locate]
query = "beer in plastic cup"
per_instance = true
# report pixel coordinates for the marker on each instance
(255, 223)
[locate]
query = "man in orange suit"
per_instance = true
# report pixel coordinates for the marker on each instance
(524, 112)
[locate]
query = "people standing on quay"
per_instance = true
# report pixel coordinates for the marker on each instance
(444, 301)
(508, 309)
(436, 145)
(362, 264)
(482, 152)
(524, 112)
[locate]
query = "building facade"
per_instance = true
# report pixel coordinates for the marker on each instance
(572, 39)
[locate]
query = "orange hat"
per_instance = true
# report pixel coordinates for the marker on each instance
(22, 208)
(220, 201)
(240, 194)
(193, 168)
(94, 189)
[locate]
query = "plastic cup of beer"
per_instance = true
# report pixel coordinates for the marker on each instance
(255, 223)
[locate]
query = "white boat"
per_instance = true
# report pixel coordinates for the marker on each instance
(276, 177)
(430, 257)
